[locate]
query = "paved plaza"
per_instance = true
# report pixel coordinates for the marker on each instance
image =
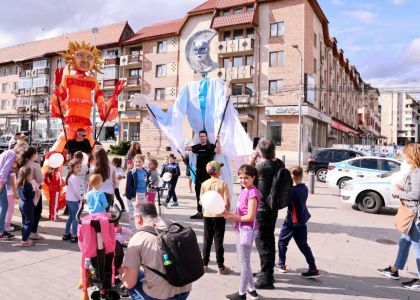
(348, 246)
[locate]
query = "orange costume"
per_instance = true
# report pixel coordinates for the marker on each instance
(73, 94)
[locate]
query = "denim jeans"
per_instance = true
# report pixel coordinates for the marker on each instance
(137, 292)
(413, 240)
(71, 221)
(4, 205)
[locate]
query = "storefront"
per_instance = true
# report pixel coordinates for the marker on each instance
(129, 126)
(341, 133)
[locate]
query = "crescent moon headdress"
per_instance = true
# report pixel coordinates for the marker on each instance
(197, 52)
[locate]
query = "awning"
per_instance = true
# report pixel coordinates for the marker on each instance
(107, 124)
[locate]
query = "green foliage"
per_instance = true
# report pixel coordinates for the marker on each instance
(121, 148)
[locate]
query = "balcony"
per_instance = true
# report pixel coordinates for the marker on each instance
(235, 46)
(22, 92)
(133, 81)
(44, 71)
(241, 101)
(109, 83)
(134, 59)
(41, 90)
(236, 73)
(112, 61)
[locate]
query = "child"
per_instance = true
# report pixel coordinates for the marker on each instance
(117, 162)
(244, 217)
(214, 225)
(96, 201)
(54, 182)
(164, 184)
(11, 197)
(295, 226)
(73, 197)
(135, 188)
(26, 203)
(148, 159)
(172, 168)
(154, 180)
(84, 171)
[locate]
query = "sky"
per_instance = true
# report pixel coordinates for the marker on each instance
(380, 37)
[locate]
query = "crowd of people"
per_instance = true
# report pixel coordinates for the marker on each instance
(97, 185)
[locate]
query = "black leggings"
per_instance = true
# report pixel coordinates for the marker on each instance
(118, 196)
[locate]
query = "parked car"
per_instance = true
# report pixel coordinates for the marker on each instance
(4, 142)
(319, 160)
(370, 195)
(360, 167)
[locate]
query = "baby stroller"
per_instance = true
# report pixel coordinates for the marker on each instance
(101, 254)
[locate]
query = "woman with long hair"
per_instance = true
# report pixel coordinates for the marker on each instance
(107, 171)
(30, 159)
(409, 195)
(135, 149)
(73, 198)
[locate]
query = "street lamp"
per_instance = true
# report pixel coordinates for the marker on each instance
(300, 105)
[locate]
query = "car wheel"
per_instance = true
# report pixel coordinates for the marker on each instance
(341, 182)
(370, 202)
(321, 174)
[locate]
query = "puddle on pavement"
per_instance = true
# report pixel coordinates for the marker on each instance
(386, 242)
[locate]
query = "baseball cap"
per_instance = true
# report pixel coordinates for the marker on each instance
(213, 166)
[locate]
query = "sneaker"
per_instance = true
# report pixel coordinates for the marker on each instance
(412, 284)
(197, 216)
(253, 295)
(35, 236)
(9, 229)
(387, 272)
(66, 237)
(165, 204)
(280, 268)
(6, 236)
(175, 204)
(264, 284)
(74, 239)
(206, 269)
(236, 296)
(311, 273)
(23, 244)
(225, 271)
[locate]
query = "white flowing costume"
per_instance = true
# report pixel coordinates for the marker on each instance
(233, 138)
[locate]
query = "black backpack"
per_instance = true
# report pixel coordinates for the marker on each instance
(181, 246)
(280, 189)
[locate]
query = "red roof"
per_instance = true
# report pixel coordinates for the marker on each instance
(231, 20)
(108, 34)
(208, 5)
(232, 3)
(159, 29)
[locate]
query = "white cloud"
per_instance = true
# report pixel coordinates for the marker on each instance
(398, 2)
(362, 15)
(413, 52)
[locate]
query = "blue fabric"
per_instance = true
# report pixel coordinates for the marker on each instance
(27, 209)
(71, 221)
(172, 168)
(202, 97)
(96, 202)
(297, 199)
(137, 293)
(3, 207)
(413, 240)
(131, 185)
(300, 235)
(141, 176)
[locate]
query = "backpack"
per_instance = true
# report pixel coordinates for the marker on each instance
(181, 246)
(280, 189)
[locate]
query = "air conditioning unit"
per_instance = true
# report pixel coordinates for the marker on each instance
(231, 73)
(34, 73)
(27, 91)
(246, 44)
(232, 46)
(122, 105)
(221, 73)
(28, 73)
(221, 47)
(124, 60)
(33, 91)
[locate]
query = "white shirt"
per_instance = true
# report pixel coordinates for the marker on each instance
(108, 186)
(73, 189)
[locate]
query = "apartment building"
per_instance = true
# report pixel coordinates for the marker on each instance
(400, 118)
(27, 77)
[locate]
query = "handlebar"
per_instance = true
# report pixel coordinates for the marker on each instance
(113, 219)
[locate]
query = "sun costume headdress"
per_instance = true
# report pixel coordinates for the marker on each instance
(76, 46)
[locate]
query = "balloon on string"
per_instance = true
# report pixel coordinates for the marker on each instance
(167, 177)
(85, 158)
(56, 160)
(213, 202)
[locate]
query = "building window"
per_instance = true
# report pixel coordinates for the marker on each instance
(276, 58)
(40, 64)
(250, 32)
(277, 29)
(162, 47)
(226, 12)
(275, 86)
(108, 73)
(250, 60)
(315, 38)
(274, 132)
(250, 8)
(160, 70)
(135, 50)
(160, 94)
(111, 53)
(238, 61)
(238, 34)
(249, 88)
(315, 65)
(4, 87)
(237, 10)
(227, 63)
(135, 73)
(236, 89)
(40, 82)
(226, 36)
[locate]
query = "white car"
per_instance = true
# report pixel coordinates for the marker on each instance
(370, 195)
(359, 167)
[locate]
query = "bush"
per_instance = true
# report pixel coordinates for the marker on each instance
(121, 148)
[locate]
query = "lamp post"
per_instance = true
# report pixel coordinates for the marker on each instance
(300, 105)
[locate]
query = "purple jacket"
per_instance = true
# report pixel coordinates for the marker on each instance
(7, 158)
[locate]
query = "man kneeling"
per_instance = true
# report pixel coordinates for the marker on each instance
(143, 250)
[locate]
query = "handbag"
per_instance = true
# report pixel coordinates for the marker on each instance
(404, 219)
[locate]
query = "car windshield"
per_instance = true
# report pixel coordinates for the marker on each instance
(389, 173)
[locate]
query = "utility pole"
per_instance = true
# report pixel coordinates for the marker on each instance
(300, 98)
